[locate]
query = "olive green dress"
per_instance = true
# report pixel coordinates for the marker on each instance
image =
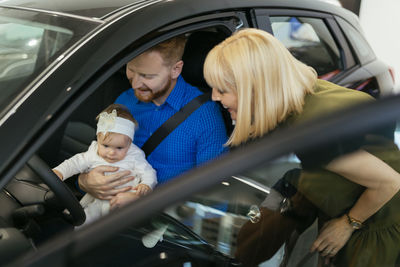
(378, 243)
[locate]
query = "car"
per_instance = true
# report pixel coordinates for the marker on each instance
(62, 62)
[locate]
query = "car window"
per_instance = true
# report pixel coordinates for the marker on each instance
(30, 41)
(226, 214)
(218, 214)
(161, 239)
(310, 41)
(362, 48)
(21, 42)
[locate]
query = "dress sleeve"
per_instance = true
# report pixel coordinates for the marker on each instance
(78, 163)
(324, 154)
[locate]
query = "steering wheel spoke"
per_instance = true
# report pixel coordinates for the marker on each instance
(59, 188)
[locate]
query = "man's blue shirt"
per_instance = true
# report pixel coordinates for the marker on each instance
(196, 140)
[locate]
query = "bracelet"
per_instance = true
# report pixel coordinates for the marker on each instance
(356, 224)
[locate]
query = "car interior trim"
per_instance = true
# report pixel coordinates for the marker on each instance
(252, 183)
(55, 13)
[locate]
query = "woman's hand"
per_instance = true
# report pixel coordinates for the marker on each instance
(332, 237)
(122, 199)
(103, 186)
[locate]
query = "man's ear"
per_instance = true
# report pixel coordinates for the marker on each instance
(176, 69)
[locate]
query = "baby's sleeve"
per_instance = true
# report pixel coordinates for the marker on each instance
(78, 163)
(142, 167)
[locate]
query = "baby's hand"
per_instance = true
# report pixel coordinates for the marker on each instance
(142, 189)
(58, 174)
(122, 199)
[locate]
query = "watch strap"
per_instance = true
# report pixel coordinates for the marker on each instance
(356, 224)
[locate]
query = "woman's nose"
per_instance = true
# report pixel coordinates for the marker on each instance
(215, 96)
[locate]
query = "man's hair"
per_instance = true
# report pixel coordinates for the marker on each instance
(171, 50)
(122, 111)
(269, 82)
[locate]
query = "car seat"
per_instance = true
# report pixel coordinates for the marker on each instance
(198, 45)
(76, 134)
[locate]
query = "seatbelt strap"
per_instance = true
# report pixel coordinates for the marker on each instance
(167, 127)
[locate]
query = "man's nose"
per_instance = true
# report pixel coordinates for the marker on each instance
(136, 80)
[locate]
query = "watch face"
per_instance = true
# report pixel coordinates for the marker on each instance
(355, 225)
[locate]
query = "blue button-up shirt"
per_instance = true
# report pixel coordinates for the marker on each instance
(196, 140)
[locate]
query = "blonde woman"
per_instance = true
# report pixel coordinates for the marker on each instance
(354, 186)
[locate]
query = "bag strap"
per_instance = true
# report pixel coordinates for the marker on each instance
(167, 127)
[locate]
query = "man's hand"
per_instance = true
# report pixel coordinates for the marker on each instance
(122, 199)
(104, 186)
(142, 189)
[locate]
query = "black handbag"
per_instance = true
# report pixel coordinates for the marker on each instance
(284, 214)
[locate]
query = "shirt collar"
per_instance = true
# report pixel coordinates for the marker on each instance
(134, 99)
(176, 98)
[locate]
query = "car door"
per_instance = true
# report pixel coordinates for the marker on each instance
(80, 97)
(218, 199)
(318, 39)
(208, 200)
(203, 199)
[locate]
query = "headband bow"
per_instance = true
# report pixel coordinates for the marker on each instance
(110, 122)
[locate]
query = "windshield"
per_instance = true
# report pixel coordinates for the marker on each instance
(29, 42)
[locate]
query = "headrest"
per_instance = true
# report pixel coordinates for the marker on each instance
(197, 47)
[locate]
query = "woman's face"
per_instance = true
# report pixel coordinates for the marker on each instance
(227, 99)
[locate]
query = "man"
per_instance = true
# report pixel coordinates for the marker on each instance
(159, 92)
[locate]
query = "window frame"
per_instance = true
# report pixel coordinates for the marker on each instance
(105, 71)
(262, 18)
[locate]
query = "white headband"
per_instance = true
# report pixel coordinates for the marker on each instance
(109, 122)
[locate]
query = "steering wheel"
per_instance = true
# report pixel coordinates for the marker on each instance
(60, 189)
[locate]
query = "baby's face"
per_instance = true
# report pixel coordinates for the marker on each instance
(114, 147)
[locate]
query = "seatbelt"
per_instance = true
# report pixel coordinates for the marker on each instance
(167, 127)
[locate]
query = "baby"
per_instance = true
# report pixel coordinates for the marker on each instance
(114, 147)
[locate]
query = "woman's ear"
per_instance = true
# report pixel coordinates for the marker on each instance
(176, 69)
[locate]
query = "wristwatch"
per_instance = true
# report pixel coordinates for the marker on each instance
(356, 224)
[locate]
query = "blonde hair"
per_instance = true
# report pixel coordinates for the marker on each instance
(122, 111)
(170, 50)
(269, 82)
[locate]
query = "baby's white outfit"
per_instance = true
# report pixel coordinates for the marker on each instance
(134, 161)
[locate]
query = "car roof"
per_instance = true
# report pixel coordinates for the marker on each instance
(85, 8)
(105, 8)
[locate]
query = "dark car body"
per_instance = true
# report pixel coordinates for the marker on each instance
(52, 92)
